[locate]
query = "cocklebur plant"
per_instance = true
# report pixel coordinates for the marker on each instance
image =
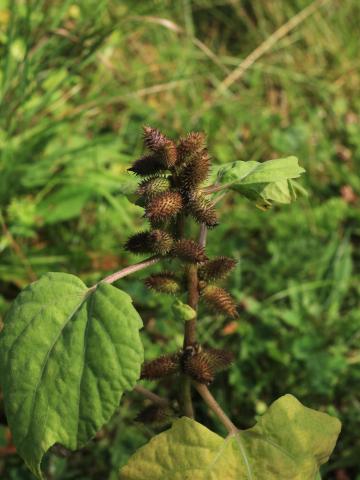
(69, 352)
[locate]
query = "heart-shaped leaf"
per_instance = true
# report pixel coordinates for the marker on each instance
(67, 354)
(289, 442)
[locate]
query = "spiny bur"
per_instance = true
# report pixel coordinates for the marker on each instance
(161, 145)
(189, 251)
(156, 416)
(153, 186)
(219, 359)
(194, 172)
(164, 282)
(147, 165)
(219, 300)
(202, 364)
(203, 210)
(216, 269)
(155, 241)
(160, 367)
(164, 206)
(192, 143)
(198, 367)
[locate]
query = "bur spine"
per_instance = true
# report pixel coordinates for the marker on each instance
(195, 171)
(155, 241)
(158, 143)
(164, 282)
(192, 143)
(147, 165)
(219, 359)
(203, 210)
(189, 251)
(151, 187)
(164, 206)
(198, 367)
(219, 300)
(217, 268)
(160, 367)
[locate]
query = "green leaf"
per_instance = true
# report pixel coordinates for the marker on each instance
(263, 183)
(252, 172)
(182, 311)
(67, 354)
(289, 442)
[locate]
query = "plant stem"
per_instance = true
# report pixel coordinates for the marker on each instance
(190, 336)
(162, 402)
(185, 384)
(202, 389)
(193, 293)
(215, 407)
(190, 325)
(193, 299)
(128, 270)
(186, 400)
(203, 235)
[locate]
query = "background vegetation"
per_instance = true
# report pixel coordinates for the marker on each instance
(78, 79)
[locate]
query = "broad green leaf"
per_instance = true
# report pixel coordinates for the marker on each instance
(182, 311)
(266, 193)
(255, 172)
(289, 442)
(263, 183)
(67, 354)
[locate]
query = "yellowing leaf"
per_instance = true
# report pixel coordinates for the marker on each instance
(289, 442)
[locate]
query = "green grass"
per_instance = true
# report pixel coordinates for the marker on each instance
(77, 82)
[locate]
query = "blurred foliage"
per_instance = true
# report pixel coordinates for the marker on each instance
(78, 79)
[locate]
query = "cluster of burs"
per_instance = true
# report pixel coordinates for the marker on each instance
(171, 190)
